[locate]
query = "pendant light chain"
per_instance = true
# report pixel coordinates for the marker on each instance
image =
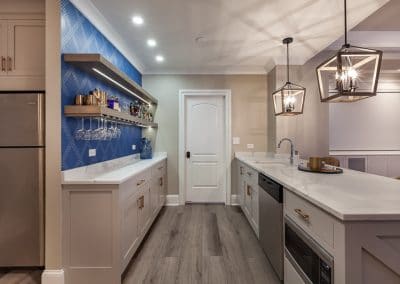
(345, 24)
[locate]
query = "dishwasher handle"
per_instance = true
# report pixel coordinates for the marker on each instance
(274, 189)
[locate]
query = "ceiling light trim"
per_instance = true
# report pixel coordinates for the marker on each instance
(89, 10)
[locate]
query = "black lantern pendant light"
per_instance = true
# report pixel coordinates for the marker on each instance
(352, 74)
(289, 99)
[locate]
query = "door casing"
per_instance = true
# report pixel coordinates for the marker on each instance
(183, 94)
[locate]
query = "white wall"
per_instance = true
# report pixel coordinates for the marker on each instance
(370, 124)
(249, 111)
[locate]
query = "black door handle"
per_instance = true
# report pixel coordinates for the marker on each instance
(188, 155)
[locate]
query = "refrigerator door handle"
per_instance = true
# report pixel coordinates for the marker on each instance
(41, 172)
(41, 118)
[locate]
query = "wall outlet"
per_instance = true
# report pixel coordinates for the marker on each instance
(133, 147)
(250, 146)
(236, 140)
(92, 152)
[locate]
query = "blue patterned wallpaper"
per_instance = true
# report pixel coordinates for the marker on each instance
(80, 36)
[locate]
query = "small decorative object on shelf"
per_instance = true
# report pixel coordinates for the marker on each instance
(147, 151)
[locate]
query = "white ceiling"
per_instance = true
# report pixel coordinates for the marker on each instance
(238, 36)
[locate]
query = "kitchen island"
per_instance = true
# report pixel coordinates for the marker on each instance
(354, 217)
(107, 210)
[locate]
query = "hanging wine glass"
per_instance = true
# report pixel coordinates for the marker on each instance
(79, 133)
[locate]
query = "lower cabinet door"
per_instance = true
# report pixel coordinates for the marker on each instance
(154, 202)
(144, 208)
(247, 199)
(129, 226)
(254, 205)
(162, 190)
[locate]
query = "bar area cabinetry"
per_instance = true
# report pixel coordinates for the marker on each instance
(106, 219)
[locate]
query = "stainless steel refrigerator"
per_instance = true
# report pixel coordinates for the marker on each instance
(21, 179)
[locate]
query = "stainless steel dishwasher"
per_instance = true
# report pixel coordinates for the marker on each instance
(271, 221)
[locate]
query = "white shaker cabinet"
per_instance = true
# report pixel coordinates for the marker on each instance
(22, 54)
(248, 194)
(104, 224)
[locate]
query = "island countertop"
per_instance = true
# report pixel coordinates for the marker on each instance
(351, 196)
(115, 171)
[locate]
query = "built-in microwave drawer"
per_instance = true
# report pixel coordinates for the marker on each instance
(310, 218)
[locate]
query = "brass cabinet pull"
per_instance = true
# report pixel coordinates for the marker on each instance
(249, 174)
(3, 64)
(303, 215)
(161, 181)
(9, 63)
(140, 202)
(140, 182)
(160, 168)
(249, 190)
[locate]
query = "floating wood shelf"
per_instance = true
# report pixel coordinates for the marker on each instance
(99, 111)
(103, 69)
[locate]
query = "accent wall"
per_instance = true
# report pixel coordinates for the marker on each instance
(78, 35)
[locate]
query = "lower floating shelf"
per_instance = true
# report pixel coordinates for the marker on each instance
(100, 111)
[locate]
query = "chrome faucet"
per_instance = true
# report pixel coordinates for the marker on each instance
(291, 148)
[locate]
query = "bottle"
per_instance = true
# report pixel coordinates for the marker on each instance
(147, 150)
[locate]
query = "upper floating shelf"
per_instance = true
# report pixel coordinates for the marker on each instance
(97, 65)
(99, 111)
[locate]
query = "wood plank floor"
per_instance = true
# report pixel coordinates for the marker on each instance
(20, 276)
(200, 244)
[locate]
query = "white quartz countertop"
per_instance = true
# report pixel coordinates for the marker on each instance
(111, 172)
(351, 196)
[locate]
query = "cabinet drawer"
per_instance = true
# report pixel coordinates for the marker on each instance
(159, 169)
(251, 176)
(141, 179)
(312, 219)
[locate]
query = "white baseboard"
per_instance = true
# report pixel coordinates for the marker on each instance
(53, 277)
(235, 200)
(172, 200)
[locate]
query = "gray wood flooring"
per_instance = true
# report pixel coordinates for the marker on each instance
(200, 244)
(20, 276)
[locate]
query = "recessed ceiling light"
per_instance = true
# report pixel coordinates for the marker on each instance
(137, 20)
(151, 42)
(159, 58)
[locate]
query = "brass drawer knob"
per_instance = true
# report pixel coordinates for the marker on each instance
(140, 182)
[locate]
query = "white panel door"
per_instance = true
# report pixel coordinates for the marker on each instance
(205, 132)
